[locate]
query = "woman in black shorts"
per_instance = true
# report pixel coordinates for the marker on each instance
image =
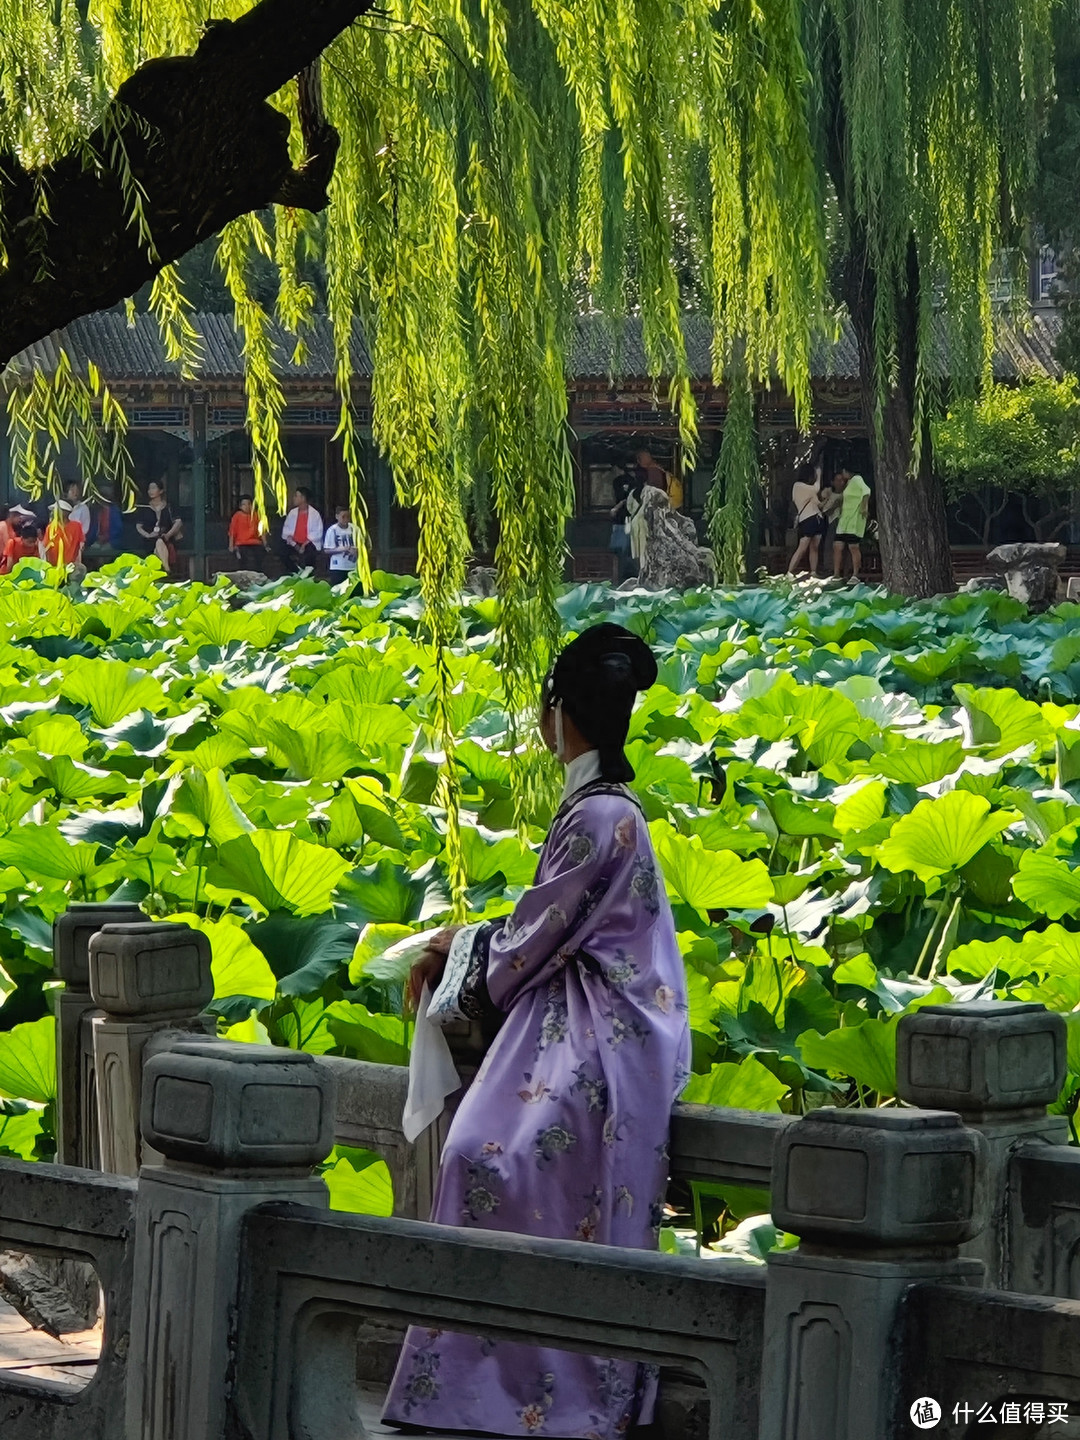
(809, 521)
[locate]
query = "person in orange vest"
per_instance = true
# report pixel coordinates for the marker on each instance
(24, 544)
(64, 537)
(245, 542)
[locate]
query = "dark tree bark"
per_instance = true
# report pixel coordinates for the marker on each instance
(916, 558)
(909, 503)
(194, 142)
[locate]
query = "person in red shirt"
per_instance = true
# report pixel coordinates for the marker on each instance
(24, 544)
(245, 542)
(64, 538)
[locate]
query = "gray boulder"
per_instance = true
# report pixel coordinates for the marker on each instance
(978, 583)
(672, 559)
(481, 581)
(1030, 570)
(248, 579)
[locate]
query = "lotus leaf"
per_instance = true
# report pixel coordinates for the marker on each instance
(941, 835)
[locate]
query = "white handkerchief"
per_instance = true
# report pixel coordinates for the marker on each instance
(432, 1075)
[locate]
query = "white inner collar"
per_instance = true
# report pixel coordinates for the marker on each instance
(581, 771)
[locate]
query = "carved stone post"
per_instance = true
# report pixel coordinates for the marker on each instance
(237, 1125)
(880, 1199)
(148, 979)
(76, 1112)
(999, 1063)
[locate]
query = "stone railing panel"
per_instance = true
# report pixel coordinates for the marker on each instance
(736, 1146)
(72, 1214)
(310, 1281)
(995, 1363)
(1042, 1242)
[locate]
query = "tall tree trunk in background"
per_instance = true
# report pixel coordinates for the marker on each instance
(908, 500)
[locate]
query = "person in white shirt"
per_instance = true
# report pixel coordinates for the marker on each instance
(80, 511)
(809, 521)
(339, 542)
(302, 532)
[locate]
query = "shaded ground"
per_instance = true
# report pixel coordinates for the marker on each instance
(71, 1360)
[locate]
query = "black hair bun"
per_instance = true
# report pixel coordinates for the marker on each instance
(609, 654)
(617, 669)
(644, 666)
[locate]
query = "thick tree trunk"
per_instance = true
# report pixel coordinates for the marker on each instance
(188, 144)
(909, 502)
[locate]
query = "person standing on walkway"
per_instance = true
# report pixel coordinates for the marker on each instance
(80, 510)
(339, 543)
(851, 526)
(628, 483)
(829, 501)
(246, 543)
(64, 537)
(564, 1131)
(810, 524)
(302, 533)
(654, 474)
(24, 542)
(106, 533)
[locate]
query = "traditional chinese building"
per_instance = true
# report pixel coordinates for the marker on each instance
(191, 432)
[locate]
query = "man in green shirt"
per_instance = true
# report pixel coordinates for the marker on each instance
(851, 526)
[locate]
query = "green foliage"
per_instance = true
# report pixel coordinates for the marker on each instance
(860, 806)
(1057, 196)
(504, 170)
(1017, 438)
(926, 118)
(357, 1180)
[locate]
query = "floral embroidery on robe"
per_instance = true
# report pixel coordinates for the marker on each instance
(564, 1131)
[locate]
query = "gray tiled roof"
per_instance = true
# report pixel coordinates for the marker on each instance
(135, 352)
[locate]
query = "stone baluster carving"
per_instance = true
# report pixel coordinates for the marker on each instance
(999, 1063)
(237, 1126)
(881, 1199)
(76, 1113)
(151, 981)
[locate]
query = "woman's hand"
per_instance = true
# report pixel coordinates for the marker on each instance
(429, 968)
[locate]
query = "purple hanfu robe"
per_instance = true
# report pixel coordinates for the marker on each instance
(564, 1132)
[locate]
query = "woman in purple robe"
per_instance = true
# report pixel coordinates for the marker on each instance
(564, 1132)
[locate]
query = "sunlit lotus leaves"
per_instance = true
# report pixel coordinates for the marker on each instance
(941, 835)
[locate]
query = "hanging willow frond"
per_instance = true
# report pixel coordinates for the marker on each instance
(173, 311)
(265, 396)
(729, 508)
(502, 167)
(44, 410)
(926, 117)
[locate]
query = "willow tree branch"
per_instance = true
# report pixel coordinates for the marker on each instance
(187, 144)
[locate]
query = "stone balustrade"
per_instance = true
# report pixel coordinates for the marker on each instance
(234, 1300)
(79, 1217)
(881, 1200)
(999, 1064)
